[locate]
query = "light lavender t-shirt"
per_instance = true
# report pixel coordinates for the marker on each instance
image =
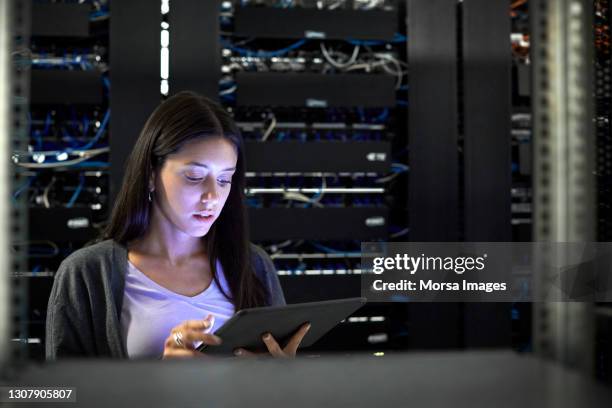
(150, 311)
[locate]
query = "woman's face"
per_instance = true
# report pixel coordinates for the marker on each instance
(193, 184)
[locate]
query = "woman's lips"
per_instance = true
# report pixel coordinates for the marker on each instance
(204, 218)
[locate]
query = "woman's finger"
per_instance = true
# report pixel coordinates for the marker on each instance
(176, 339)
(192, 336)
(203, 324)
(273, 347)
(187, 337)
(180, 342)
(296, 339)
(181, 353)
(240, 352)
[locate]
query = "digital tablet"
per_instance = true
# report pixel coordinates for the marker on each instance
(246, 327)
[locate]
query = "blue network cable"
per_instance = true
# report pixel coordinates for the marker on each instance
(23, 187)
(397, 38)
(399, 168)
(99, 133)
(85, 125)
(46, 129)
(361, 112)
(77, 191)
(284, 4)
(76, 61)
(68, 137)
(98, 14)
(226, 90)
(228, 97)
(102, 11)
(29, 123)
(89, 164)
(47, 124)
(383, 115)
(73, 117)
(331, 250)
(263, 54)
(36, 134)
(224, 84)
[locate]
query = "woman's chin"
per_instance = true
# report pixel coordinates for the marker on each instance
(200, 231)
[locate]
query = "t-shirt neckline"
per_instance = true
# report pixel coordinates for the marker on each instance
(171, 292)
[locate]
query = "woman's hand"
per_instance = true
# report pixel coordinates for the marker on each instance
(273, 347)
(181, 341)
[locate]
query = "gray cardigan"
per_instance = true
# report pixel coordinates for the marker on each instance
(87, 295)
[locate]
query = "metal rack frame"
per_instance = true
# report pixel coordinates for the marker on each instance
(564, 191)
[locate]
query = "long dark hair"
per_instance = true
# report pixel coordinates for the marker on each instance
(181, 118)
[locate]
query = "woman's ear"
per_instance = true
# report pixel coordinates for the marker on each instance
(152, 181)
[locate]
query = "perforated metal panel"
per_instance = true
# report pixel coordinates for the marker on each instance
(4, 127)
(563, 165)
(603, 115)
(20, 90)
(603, 142)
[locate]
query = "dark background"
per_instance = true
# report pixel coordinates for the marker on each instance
(427, 134)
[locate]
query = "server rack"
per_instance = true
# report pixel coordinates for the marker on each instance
(571, 166)
(440, 102)
(59, 148)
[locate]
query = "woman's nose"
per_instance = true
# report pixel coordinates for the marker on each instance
(210, 198)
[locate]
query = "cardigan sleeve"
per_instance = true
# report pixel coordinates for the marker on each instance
(69, 325)
(266, 271)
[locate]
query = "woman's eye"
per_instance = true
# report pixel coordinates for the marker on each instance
(225, 182)
(191, 178)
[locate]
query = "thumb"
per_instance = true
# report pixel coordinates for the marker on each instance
(211, 322)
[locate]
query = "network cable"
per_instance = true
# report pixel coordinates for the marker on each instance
(77, 191)
(262, 54)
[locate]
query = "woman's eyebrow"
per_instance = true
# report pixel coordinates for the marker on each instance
(206, 167)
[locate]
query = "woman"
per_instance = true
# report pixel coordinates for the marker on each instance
(175, 250)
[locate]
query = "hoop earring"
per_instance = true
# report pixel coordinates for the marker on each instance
(150, 198)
